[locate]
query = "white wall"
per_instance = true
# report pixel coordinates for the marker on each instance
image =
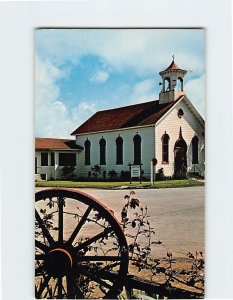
(171, 124)
(147, 149)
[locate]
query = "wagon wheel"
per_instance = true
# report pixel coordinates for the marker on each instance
(81, 250)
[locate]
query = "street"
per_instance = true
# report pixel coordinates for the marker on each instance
(176, 214)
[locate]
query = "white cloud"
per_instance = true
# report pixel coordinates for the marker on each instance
(52, 117)
(195, 90)
(141, 49)
(100, 77)
(142, 92)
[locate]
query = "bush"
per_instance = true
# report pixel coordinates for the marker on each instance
(125, 176)
(112, 174)
(68, 172)
(96, 170)
(159, 175)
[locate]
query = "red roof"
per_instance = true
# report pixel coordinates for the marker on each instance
(128, 116)
(55, 144)
(173, 66)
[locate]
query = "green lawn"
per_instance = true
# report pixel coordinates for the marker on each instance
(110, 185)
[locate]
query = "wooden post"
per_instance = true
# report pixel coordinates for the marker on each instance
(130, 172)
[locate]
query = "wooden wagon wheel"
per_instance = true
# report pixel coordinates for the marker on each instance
(81, 250)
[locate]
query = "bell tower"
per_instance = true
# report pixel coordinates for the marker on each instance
(172, 83)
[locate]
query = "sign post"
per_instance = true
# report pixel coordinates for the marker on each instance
(130, 166)
(152, 176)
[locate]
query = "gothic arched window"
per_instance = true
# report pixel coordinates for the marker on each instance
(87, 145)
(195, 141)
(102, 151)
(119, 151)
(165, 148)
(137, 149)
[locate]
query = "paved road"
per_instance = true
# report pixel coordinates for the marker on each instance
(176, 214)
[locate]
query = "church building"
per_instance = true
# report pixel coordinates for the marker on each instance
(170, 130)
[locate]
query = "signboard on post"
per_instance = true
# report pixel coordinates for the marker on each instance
(135, 171)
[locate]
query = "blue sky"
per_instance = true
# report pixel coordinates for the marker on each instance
(81, 71)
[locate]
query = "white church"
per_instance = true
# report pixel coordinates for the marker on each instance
(170, 130)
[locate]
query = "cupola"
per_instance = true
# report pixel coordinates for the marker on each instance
(172, 83)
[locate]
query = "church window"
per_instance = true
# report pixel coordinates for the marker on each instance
(87, 145)
(44, 159)
(102, 151)
(137, 149)
(180, 113)
(195, 149)
(165, 148)
(119, 151)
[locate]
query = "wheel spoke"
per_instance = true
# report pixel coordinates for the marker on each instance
(41, 246)
(60, 219)
(95, 238)
(99, 258)
(39, 271)
(44, 228)
(43, 285)
(73, 290)
(80, 224)
(40, 256)
(59, 287)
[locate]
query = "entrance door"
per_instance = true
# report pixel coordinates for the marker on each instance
(35, 165)
(180, 159)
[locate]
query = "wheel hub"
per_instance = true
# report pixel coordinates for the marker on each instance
(58, 262)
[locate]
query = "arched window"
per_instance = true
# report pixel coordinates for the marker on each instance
(180, 84)
(102, 151)
(87, 145)
(167, 84)
(137, 149)
(165, 148)
(119, 151)
(195, 141)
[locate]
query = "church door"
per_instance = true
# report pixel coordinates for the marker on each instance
(180, 151)
(180, 159)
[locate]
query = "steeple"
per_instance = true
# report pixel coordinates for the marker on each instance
(172, 84)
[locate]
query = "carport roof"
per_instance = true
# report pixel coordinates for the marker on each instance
(56, 144)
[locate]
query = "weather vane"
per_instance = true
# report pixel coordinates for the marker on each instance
(173, 57)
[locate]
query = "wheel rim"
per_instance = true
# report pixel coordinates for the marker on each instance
(81, 250)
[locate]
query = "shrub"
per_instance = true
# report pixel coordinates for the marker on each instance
(112, 174)
(160, 175)
(96, 170)
(68, 172)
(125, 176)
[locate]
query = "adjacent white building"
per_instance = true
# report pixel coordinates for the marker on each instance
(169, 129)
(52, 155)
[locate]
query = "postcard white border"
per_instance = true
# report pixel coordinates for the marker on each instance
(18, 20)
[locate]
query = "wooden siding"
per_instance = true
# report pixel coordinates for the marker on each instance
(147, 150)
